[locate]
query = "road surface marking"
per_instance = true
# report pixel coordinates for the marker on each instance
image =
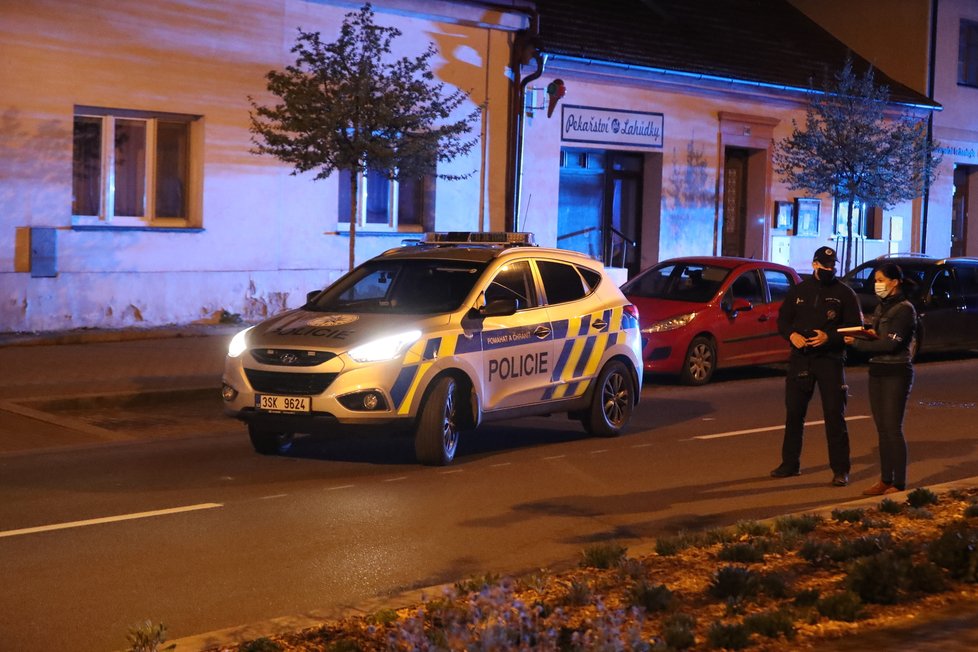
(342, 486)
(451, 472)
(108, 519)
(273, 496)
(598, 452)
(501, 464)
(555, 457)
(641, 445)
(737, 433)
(403, 477)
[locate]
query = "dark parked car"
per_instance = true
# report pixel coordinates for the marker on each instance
(944, 291)
(701, 313)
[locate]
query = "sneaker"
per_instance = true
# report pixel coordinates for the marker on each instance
(877, 489)
(785, 472)
(892, 490)
(840, 479)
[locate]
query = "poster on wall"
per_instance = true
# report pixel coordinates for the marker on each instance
(806, 216)
(589, 124)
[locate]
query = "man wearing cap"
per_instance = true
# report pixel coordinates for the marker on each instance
(809, 318)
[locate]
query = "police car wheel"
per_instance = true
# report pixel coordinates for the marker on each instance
(700, 362)
(436, 437)
(269, 442)
(612, 401)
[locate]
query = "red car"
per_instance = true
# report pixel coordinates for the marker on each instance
(698, 314)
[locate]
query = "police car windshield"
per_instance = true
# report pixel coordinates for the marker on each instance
(679, 282)
(423, 287)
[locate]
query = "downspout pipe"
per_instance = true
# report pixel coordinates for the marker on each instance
(931, 71)
(525, 48)
(519, 117)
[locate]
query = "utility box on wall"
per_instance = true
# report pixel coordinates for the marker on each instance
(781, 249)
(44, 252)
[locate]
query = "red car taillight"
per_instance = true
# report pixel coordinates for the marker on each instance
(631, 309)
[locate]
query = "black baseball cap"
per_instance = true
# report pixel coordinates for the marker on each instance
(824, 256)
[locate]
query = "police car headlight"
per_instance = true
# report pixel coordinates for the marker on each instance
(670, 324)
(385, 348)
(239, 343)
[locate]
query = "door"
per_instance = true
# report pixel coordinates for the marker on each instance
(959, 209)
(743, 335)
(599, 205)
(734, 201)
(516, 349)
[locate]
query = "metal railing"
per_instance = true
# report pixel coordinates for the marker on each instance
(610, 252)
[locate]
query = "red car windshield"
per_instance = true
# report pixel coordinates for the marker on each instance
(692, 282)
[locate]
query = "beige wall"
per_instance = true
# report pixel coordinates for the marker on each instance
(267, 236)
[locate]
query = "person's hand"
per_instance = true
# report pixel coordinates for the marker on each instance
(848, 339)
(818, 339)
(798, 340)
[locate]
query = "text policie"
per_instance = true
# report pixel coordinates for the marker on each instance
(516, 366)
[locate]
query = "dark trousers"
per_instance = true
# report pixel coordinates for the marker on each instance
(888, 399)
(804, 373)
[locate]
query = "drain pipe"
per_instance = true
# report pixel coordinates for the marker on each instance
(931, 67)
(525, 49)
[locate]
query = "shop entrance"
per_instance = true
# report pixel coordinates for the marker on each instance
(734, 201)
(964, 176)
(599, 209)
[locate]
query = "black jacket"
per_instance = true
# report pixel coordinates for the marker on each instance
(895, 323)
(812, 305)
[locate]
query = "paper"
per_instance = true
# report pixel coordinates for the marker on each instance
(858, 331)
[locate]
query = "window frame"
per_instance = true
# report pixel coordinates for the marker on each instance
(106, 216)
(867, 218)
(968, 53)
(427, 188)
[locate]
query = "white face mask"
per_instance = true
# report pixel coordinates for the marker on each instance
(881, 290)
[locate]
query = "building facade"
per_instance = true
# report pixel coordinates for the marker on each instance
(634, 134)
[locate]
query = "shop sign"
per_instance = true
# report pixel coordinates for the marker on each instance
(962, 152)
(589, 124)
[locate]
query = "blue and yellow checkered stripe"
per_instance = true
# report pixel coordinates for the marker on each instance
(577, 363)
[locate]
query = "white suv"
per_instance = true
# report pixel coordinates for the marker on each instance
(440, 336)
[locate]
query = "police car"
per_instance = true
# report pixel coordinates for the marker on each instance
(440, 336)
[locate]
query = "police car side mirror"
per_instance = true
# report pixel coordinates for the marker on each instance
(499, 308)
(312, 295)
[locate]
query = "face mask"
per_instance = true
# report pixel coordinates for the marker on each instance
(826, 276)
(881, 290)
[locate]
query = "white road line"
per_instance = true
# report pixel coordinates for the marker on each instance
(737, 433)
(450, 472)
(338, 487)
(273, 496)
(641, 445)
(598, 452)
(108, 519)
(501, 464)
(555, 457)
(400, 479)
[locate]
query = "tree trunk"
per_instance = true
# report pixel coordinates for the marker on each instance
(354, 209)
(848, 265)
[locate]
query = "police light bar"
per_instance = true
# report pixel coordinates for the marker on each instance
(512, 239)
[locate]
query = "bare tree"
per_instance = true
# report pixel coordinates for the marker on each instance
(348, 105)
(853, 151)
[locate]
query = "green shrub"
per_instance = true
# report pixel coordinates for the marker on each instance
(344, 645)
(956, 550)
(848, 515)
(578, 594)
(802, 523)
(971, 510)
(921, 497)
(147, 637)
(476, 584)
(878, 579)
(719, 535)
(632, 568)
(678, 631)
(820, 553)
(772, 624)
(920, 513)
(733, 582)
(752, 528)
(382, 617)
(844, 606)
(870, 523)
(728, 637)
(890, 506)
(669, 546)
(262, 645)
(926, 577)
(745, 553)
(807, 597)
(651, 597)
(773, 585)
(603, 555)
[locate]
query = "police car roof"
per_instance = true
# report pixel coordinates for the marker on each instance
(481, 253)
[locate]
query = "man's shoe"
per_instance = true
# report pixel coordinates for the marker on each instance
(840, 480)
(785, 472)
(877, 489)
(892, 490)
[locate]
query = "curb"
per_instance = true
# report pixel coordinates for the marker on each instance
(222, 639)
(86, 336)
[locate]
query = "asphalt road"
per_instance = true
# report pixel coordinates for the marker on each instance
(192, 528)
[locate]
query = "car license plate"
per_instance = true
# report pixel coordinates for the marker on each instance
(282, 403)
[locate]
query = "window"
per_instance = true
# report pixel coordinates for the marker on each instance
(778, 284)
(131, 168)
(748, 286)
(388, 205)
(561, 282)
(968, 54)
(865, 220)
(513, 281)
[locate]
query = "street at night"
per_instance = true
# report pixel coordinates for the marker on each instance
(116, 512)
